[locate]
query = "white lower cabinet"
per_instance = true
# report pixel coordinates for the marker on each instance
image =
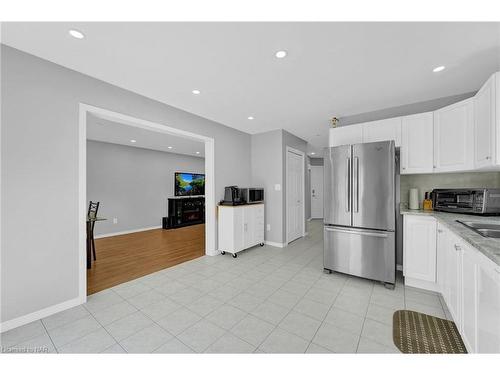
(472, 295)
(488, 307)
(419, 250)
(469, 298)
(468, 281)
(240, 227)
(452, 285)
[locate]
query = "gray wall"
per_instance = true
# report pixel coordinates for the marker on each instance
(267, 171)
(404, 110)
(132, 184)
(39, 170)
(427, 182)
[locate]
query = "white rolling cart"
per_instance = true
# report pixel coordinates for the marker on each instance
(240, 227)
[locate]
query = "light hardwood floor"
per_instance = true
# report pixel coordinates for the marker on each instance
(129, 256)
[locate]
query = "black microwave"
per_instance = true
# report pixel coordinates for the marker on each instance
(253, 195)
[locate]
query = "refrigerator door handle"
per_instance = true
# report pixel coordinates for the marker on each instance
(347, 185)
(361, 233)
(355, 188)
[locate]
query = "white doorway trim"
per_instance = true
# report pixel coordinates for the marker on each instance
(210, 206)
(303, 209)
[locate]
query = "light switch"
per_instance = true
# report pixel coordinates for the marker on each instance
(277, 187)
(268, 227)
(115, 220)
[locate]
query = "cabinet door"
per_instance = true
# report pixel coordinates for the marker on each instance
(419, 257)
(417, 144)
(469, 302)
(454, 137)
(484, 125)
(452, 282)
(346, 135)
(248, 226)
(442, 243)
(383, 130)
(488, 308)
(238, 225)
(259, 224)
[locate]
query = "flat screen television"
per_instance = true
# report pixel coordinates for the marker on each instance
(187, 184)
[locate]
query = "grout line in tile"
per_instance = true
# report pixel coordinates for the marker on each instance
(50, 337)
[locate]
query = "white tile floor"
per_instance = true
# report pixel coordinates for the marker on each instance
(269, 300)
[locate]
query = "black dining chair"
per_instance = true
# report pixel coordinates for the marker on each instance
(92, 214)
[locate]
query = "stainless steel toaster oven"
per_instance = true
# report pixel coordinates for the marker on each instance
(482, 201)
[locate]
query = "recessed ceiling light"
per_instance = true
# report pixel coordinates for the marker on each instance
(438, 69)
(196, 92)
(169, 147)
(76, 34)
(280, 54)
(133, 141)
(197, 152)
(250, 117)
(313, 153)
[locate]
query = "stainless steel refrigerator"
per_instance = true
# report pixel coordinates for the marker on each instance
(359, 212)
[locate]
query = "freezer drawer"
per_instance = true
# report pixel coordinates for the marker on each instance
(360, 252)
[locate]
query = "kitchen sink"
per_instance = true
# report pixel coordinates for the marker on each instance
(495, 233)
(484, 229)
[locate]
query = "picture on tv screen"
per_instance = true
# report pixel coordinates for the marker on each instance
(189, 184)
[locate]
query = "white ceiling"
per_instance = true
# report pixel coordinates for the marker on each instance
(103, 130)
(332, 69)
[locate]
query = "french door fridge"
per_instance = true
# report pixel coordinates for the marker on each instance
(359, 212)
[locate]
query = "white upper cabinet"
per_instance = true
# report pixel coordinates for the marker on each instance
(346, 135)
(485, 123)
(383, 130)
(454, 137)
(416, 143)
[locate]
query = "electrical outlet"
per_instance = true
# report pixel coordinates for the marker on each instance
(277, 187)
(115, 220)
(268, 227)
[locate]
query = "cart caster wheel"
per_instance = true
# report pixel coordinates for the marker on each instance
(235, 255)
(261, 244)
(223, 252)
(327, 271)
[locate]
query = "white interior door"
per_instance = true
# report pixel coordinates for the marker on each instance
(317, 191)
(295, 195)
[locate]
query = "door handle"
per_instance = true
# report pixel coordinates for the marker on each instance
(371, 234)
(355, 189)
(457, 247)
(348, 186)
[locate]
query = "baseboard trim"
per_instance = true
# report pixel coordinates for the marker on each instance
(275, 244)
(40, 314)
(422, 284)
(126, 232)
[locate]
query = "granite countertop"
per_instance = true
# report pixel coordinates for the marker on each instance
(490, 247)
